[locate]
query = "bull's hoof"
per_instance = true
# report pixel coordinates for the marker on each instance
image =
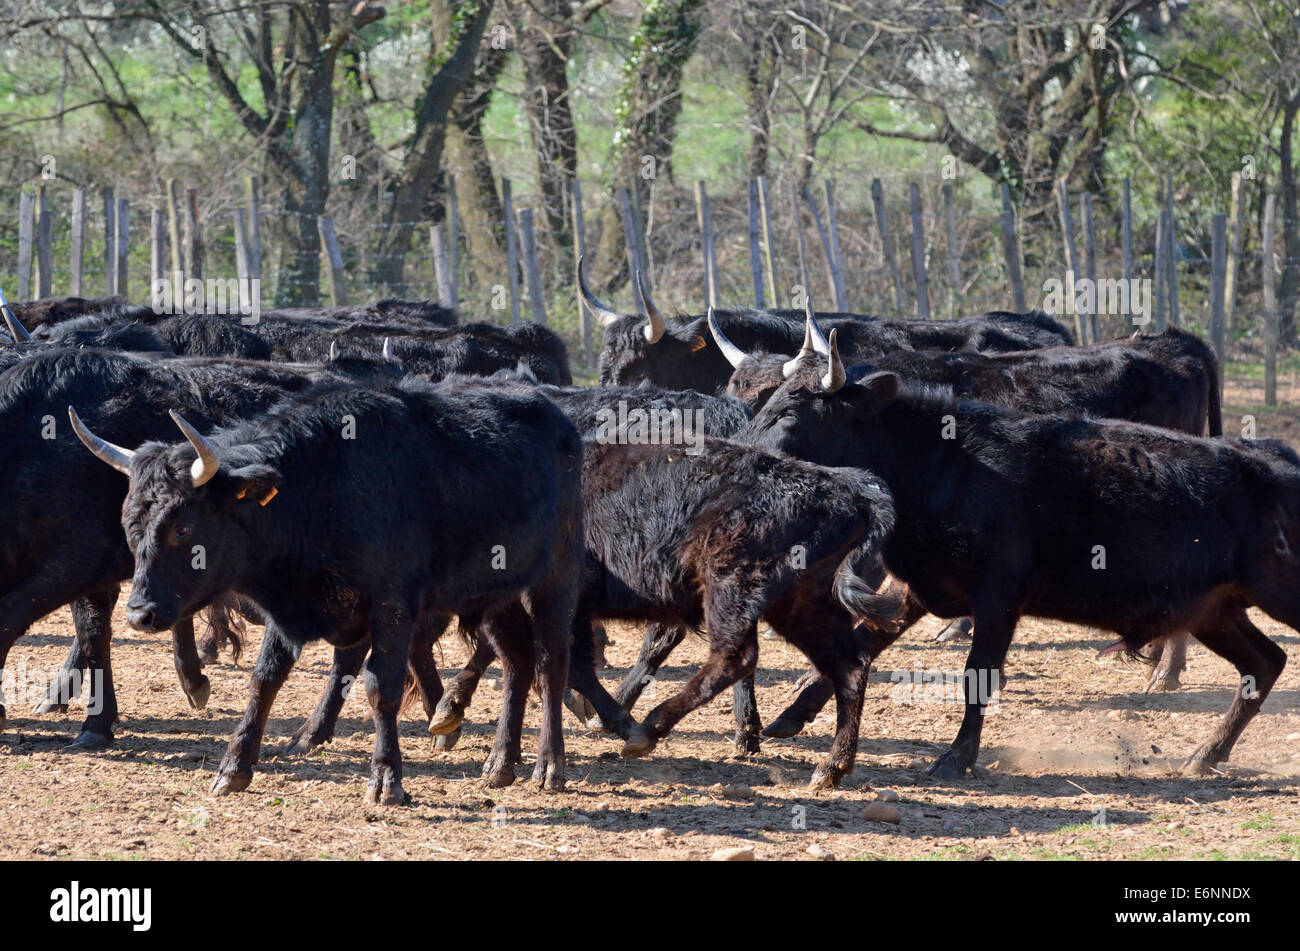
(549, 775)
(1165, 681)
(786, 725)
(198, 697)
(230, 781)
(304, 741)
(447, 718)
(50, 705)
(498, 771)
(947, 766)
(208, 654)
(1201, 763)
(639, 743)
(581, 708)
(825, 777)
(88, 741)
(746, 743)
(445, 741)
(385, 789)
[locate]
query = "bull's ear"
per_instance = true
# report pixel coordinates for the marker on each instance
(881, 387)
(255, 483)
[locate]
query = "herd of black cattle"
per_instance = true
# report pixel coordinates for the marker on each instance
(364, 475)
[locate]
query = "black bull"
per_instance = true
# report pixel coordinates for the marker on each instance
(458, 499)
(1124, 527)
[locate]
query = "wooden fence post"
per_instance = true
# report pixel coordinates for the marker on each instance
(194, 236)
(453, 243)
(531, 268)
(1090, 267)
(241, 244)
(254, 244)
(157, 250)
(438, 248)
(1218, 277)
(1269, 280)
(837, 262)
(1011, 252)
(705, 217)
(579, 249)
(110, 238)
(755, 254)
(1126, 240)
(26, 238)
(1158, 266)
(1071, 258)
(330, 242)
(174, 219)
(918, 253)
(78, 242)
(954, 256)
(827, 254)
(887, 244)
(512, 249)
(44, 246)
(1171, 253)
(123, 247)
(1234, 255)
(765, 213)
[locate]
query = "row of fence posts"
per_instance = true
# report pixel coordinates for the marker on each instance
(180, 217)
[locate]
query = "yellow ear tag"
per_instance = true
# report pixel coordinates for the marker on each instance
(269, 496)
(241, 492)
(700, 344)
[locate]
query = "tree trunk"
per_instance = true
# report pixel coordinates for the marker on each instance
(1286, 298)
(423, 158)
(760, 81)
(545, 39)
(646, 112)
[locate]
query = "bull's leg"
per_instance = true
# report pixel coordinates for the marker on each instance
(819, 691)
(583, 679)
(385, 670)
(1173, 661)
(994, 627)
(1259, 662)
(423, 670)
(510, 634)
(92, 616)
(319, 727)
(66, 684)
(849, 683)
(744, 706)
(733, 654)
(552, 612)
(804, 709)
(274, 662)
(660, 640)
(189, 671)
(450, 712)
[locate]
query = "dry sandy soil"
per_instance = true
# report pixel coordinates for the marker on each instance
(1077, 763)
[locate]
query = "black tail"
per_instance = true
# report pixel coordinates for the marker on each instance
(860, 572)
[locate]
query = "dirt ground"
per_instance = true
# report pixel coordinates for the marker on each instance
(1077, 763)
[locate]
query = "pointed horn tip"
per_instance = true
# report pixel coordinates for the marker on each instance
(207, 462)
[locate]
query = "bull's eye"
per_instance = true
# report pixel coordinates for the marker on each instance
(180, 532)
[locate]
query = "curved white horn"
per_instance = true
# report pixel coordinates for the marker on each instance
(735, 356)
(207, 464)
(334, 351)
(654, 328)
(814, 330)
(105, 451)
(16, 329)
(834, 377)
(388, 349)
(603, 313)
(806, 350)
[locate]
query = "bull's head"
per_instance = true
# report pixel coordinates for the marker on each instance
(756, 376)
(186, 521)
